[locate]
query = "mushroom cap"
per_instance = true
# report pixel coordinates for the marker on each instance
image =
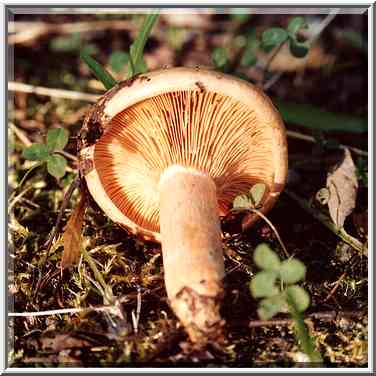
(207, 121)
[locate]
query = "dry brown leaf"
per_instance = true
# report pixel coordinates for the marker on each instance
(72, 235)
(343, 186)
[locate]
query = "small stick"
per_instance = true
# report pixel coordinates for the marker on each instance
(48, 244)
(258, 212)
(267, 65)
(136, 317)
(325, 316)
(305, 137)
(335, 288)
(104, 308)
(57, 93)
(20, 134)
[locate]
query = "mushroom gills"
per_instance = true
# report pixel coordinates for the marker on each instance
(192, 250)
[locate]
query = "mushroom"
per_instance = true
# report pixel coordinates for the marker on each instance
(164, 155)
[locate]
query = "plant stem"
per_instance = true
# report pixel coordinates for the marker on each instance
(28, 172)
(259, 213)
(302, 333)
(326, 221)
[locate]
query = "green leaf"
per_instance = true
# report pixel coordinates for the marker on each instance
(56, 165)
(263, 284)
(273, 37)
(36, 152)
(101, 73)
(265, 258)
(292, 271)
(137, 48)
(118, 61)
(298, 49)
(241, 202)
(295, 25)
(220, 57)
(257, 193)
(249, 58)
(298, 298)
(271, 306)
(57, 139)
(314, 118)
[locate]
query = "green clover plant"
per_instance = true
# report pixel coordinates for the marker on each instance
(276, 285)
(48, 153)
(275, 36)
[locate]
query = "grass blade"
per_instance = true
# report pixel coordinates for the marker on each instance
(137, 48)
(315, 118)
(102, 74)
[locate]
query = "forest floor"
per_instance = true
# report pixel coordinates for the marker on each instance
(150, 335)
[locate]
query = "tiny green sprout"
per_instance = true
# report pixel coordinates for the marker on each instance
(275, 283)
(298, 49)
(273, 37)
(252, 199)
(295, 24)
(47, 153)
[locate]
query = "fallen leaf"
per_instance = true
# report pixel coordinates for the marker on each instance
(72, 235)
(343, 186)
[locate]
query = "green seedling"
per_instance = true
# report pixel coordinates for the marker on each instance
(119, 59)
(276, 36)
(48, 153)
(276, 285)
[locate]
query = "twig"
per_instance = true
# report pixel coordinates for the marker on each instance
(335, 288)
(305, 137)
(323, 25)
(324, 316)
(269, 61)
(259, 213)
(272, 80)
(325, 220)
(104, 308)
(68, 194)
(48, 244)
(20, 134)
(33, 30)
(17, 198)
(57, 93)
(27, 31)
(136, 317)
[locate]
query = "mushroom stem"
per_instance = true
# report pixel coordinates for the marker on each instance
(192, 250)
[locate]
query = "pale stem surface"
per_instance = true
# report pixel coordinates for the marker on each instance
(192, 249)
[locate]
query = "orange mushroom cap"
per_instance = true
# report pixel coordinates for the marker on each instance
(202, 120)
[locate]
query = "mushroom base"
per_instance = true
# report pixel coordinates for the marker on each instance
(192, 251)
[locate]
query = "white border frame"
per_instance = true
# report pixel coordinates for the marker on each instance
(191, 4)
